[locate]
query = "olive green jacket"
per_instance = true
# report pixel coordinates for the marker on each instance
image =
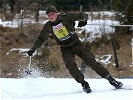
(68, 20)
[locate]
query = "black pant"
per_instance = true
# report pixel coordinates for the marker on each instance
(85, 54)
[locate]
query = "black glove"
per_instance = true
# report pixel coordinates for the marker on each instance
(82, 23)
(31, 51)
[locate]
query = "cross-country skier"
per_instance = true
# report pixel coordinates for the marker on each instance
(61, 26)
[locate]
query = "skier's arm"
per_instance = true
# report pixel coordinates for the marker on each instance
(43, 36)
(77, 16)
(40, 40)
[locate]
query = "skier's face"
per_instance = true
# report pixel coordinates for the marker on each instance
(52, 16)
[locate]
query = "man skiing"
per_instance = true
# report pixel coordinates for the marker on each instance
(61, 26)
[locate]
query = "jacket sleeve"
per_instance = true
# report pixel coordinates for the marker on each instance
(42, 37)
(77, 16)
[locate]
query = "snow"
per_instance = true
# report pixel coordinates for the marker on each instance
(104, 13)
(21, 51)
(9, 23)
(62, 89)
(97, 28)
(105, 59)
(17, 22)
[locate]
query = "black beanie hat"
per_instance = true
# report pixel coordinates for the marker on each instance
(51, 8)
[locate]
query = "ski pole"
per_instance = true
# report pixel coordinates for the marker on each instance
(28, 71)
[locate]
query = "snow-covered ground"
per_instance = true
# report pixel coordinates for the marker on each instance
(62, 89)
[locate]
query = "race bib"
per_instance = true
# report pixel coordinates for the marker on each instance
(60, 31)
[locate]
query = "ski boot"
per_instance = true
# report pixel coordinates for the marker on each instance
(86, 87)
(115, 83)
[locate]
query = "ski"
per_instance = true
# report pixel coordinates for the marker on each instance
(124, 87)
(127, 87)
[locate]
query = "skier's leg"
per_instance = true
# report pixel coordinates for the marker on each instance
(113, 82)
(89, 59)
(69, 60)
